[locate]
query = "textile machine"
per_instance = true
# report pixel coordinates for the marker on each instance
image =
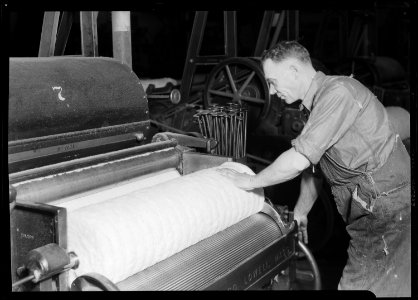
(98, 203)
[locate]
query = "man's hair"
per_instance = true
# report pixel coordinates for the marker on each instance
(286, 49)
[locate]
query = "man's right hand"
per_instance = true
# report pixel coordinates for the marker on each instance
(302, 227)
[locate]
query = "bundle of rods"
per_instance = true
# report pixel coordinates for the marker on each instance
(227, 125)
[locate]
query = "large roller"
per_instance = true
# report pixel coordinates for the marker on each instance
(66, 107)
(71, 94)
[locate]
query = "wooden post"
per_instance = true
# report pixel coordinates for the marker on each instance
(49, 33)
(121, 36)
(63, 32)
(88, 24)
(264, 32)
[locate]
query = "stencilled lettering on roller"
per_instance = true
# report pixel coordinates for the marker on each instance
(257, 272)
(66, 147)
(60, 97)
(283, 254)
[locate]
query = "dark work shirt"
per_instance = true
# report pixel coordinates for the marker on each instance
(346, 120)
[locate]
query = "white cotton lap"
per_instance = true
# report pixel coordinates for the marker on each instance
(128, 233)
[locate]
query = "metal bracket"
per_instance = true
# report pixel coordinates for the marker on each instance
(270, 211)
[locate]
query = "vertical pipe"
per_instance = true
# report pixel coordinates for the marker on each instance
(208, 124)
(205, 127)
(226, 134)
(245, 131)
(121, 36)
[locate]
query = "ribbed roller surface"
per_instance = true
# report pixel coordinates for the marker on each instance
(197, 266)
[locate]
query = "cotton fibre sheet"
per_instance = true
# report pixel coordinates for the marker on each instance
(124, 235)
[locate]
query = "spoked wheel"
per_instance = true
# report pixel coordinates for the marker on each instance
(239, 80)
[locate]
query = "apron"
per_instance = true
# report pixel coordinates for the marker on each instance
(376, 207)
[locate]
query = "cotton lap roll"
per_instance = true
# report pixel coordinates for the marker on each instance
(122, 236)
(116, 190)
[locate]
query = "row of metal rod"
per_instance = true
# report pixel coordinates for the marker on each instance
(227, 125)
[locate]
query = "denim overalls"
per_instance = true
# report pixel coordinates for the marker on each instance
(376, 207)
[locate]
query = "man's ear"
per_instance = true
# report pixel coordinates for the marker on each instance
(294, 70)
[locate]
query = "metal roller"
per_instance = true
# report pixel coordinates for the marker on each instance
(71, 181)
(54, 95)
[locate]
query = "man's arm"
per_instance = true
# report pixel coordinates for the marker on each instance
(310, 187)
(286, 167)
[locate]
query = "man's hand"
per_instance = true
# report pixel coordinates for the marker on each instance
(241, 180)
(302, 227)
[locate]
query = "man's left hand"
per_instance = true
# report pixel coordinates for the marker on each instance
(241, 180)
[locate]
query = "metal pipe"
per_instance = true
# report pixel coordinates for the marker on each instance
(220, 141)
(223, 131)
(200, 124)
(205, 128)
(23, 280)
(208, 124)
(121, 36)
(60, 185)
(233, 131)
(215, 131)
(312, 262)
(245, 131)
(238, 139)
(227, 133)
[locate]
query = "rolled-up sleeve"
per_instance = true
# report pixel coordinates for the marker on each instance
(332, 115)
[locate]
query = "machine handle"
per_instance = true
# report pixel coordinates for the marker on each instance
(312, 262)
(186, 140)
(93, 282)
(23, 280)
(45, 262)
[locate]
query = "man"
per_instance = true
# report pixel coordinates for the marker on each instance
(361, 156)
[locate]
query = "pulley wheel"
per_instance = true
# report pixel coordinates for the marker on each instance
(239, 80)
(93, 282)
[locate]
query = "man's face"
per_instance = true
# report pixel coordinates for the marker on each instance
(282, 80)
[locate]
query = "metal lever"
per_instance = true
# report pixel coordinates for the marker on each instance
(186, 140)
(314, 266)
(174, 96)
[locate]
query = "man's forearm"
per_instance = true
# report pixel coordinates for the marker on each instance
(310, 187)
(286, 167)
